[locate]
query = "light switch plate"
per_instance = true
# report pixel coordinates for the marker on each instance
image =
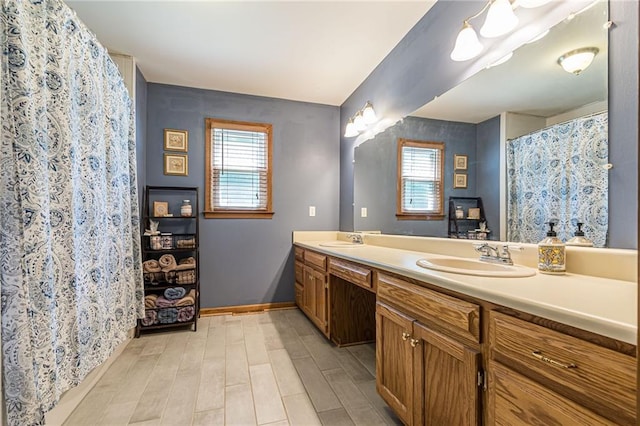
(312, 211)
(363, 212)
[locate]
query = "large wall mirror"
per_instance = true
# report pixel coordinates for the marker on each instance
(526, 95)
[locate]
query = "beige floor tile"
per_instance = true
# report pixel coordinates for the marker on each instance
(238, 406)
(256, 349)
(154, 399)
(366, 354)
(280, 423)
(354, 368)
(346, 391)
(209, 418)
(365, 416)
(215, 347)
(181, 404)
(337, 417)
(155, 343)
(91, 409)
(387, 414)
(154, 422)
(237, 366)
(211, 388)
(117, 414)
(300, 410)
(286, 375)
(266, 396)
(322, 352)
(321, 394)
(134, 382)
(235, 333)
(193, 353)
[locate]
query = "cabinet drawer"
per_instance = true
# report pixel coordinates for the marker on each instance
(316, 260)
(351, 272)
(596, 377)
(299, 272)
(431, 307)
(299, 252)
(516, 400)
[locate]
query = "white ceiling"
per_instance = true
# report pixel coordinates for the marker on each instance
(313, 51)
(532, 82)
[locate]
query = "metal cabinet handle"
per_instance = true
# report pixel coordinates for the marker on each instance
(414, 342)
(405, 335)
(541, 357)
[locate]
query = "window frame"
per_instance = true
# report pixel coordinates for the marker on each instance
(222, 213)
(400, 213)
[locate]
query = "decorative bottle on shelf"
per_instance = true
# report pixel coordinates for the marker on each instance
(459, 212)
(185, 208)
(551, 253)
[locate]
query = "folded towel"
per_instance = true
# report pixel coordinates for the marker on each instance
(186, 314)
(151, 265)
(189, 299)
(174, 293)
(162, 302)
(150, 300)
(167, 262)
(188, 261)
(167, 316)
(150, 317)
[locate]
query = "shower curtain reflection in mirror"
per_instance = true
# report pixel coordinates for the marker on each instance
(558, 174)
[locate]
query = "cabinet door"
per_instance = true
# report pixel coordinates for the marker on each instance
(516, 400)
(309, 293)
(320, 310)
(446, 388)
(394, 366)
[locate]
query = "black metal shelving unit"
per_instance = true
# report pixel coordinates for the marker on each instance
(459, 228)
(186, 226)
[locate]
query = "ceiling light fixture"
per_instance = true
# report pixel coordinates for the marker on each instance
(499, 21)
(578, 60)
(359, 122)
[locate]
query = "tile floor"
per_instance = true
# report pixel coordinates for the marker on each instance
(272, 368)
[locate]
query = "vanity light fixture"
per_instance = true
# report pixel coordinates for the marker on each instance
(359, 122)
(578, 60)
(500, 20)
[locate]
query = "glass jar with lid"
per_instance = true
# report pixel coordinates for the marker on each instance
(186, 209)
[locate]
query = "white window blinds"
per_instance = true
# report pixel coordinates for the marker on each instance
(421, 179)
(240, 169)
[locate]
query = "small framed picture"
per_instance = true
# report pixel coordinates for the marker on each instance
(460, 162)
(176, 140)
(160, 208)
(176, 164)
(459, 180)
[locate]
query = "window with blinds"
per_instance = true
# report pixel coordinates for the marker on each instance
(238, 169)
(420, 179)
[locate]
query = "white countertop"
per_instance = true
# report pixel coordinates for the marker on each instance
(603, 306)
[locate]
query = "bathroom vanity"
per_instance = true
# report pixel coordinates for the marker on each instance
(465, 350)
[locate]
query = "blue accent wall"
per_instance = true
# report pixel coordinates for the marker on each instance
(141, 133)
(419, 68)
(487, 172)
(375, 177)
(250, 261)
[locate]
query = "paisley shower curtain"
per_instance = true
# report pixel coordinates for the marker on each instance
(558, 174)
(70, 272)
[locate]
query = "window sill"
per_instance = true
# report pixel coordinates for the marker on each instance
(235, 214)
(419, 216)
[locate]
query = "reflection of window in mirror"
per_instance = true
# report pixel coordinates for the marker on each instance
(420, 180)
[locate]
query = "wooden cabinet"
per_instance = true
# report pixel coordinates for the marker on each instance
(311, 289)
(533, 365)
(427, 376)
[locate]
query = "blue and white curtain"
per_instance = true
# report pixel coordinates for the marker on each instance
(558, 174)
(70, 272)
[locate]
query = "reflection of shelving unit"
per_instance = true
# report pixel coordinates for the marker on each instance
(459, 228)
(183, 245)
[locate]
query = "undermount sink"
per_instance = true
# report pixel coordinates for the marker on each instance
(339, 244)
(457, 265)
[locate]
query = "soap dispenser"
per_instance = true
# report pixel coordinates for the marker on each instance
(579, 239)
(551, 253)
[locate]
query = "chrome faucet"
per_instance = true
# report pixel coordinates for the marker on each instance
(355, 238)
(494, 254)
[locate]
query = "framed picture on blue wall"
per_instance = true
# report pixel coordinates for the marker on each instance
(176, 140)
(460, 162)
